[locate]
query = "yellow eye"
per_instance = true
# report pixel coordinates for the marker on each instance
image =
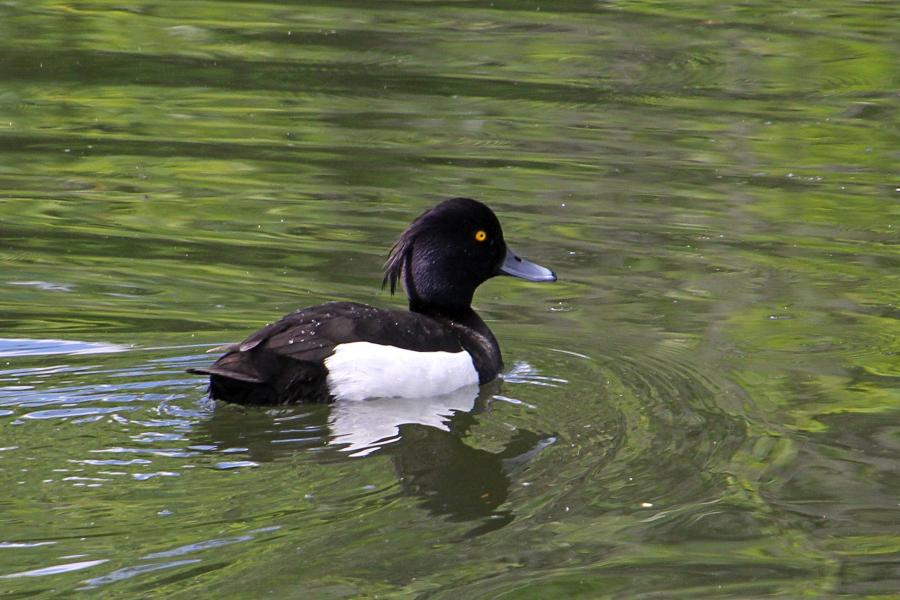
(480, 235)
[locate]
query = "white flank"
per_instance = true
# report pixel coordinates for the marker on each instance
(361, 370)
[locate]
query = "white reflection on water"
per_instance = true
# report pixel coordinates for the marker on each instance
(29, 347)
(55, 569)
(365, 426)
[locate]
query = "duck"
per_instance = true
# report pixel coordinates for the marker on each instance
(350, 351)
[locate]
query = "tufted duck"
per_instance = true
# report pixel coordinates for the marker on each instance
(350, 351)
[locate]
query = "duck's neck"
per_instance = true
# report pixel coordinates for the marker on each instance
(475, 335)
(464, 315)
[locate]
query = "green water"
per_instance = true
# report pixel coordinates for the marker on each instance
(705, 405)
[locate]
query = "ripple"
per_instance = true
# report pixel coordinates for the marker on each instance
(150, 437)
(199, 546)
(56, 569)
(44, 285)
(66, 413)
(154, 475)
(30, 347)
(235, 464)
(135, 570)
(522, 372)
(167, 452)
(129, 572)
(24, 544)
(651, 422)
(112, 462)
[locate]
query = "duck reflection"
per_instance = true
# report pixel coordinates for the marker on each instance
(362, 427)
(423, 437)
(456, 480)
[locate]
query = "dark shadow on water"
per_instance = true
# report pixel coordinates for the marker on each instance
(456, 480)
(427, 447)
(264, 435)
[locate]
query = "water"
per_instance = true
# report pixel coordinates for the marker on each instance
(705, 404)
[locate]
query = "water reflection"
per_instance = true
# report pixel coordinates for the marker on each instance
(457, 480)
(425, 439)
(43, 347)
(361, 428)
(716, 183)
(261, 435)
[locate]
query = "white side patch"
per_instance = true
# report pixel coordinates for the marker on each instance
(361, 370)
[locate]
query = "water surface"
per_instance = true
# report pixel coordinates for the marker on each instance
(704, 405)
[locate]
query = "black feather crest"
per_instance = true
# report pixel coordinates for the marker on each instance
(397, 259)
(401, 251)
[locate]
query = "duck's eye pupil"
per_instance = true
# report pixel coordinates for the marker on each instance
(480, 235)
